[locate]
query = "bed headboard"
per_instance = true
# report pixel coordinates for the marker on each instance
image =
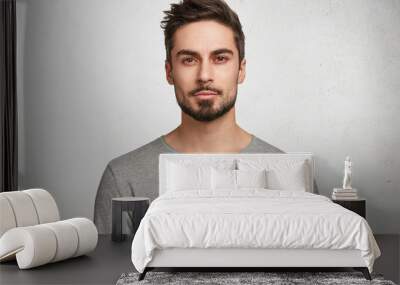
(164, 158)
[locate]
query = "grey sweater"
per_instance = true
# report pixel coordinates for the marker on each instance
(136, 174)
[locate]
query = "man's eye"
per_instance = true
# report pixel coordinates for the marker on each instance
(188, 60)
(221, 58)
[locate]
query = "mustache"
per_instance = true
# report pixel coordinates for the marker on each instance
(205, 88)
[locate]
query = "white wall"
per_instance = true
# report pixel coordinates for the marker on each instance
(323, 76)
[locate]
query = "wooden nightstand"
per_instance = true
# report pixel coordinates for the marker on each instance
(357, 205)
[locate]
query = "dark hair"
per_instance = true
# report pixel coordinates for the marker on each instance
(189, 11)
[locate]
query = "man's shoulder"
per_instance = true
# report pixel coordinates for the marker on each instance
(260, 146)
(143, 154)
(148, 154)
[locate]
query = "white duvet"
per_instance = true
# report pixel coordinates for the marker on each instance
(250, 218)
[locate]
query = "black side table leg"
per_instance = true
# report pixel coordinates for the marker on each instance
(138, 213)
(116, 222)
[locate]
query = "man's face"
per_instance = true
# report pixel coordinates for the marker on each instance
(205, 69)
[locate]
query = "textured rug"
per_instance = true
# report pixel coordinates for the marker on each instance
(270, 278)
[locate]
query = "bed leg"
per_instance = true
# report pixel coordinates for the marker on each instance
(364, 271)
(142, 275)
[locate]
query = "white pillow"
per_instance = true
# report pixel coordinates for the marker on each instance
(236, 179)
(251, 178)
(183, 177)
(282, 174)
(288, 179)
(223, 179)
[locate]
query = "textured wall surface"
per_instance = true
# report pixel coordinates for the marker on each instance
(322, 76)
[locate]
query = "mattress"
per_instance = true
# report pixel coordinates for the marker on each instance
(252, 219)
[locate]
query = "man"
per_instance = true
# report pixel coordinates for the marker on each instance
(205, 62)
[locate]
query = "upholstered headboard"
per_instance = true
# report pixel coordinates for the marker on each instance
(235, 159)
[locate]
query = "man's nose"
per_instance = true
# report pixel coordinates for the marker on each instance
(205, 72)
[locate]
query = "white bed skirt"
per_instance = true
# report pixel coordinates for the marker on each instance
(235, 257)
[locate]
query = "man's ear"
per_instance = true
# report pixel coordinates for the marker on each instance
(168, 73)
(242, 71)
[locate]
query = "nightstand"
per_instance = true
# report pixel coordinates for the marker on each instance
(357, 206)
(138, 205)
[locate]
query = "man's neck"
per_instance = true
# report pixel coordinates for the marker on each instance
(222, 135)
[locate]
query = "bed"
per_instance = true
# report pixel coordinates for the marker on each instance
(247, 211)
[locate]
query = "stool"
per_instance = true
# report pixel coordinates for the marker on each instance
(138, 205)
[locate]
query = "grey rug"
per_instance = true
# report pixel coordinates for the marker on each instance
(270, 278)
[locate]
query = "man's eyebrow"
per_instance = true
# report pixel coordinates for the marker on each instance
(222, 50)
(195, 53)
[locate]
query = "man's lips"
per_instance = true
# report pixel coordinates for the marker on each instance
(205, 93)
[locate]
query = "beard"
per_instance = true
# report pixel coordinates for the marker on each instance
(206, 112)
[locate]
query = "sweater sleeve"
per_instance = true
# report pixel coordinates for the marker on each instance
(102, 208)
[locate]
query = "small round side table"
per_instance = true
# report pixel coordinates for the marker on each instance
(138, 205)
